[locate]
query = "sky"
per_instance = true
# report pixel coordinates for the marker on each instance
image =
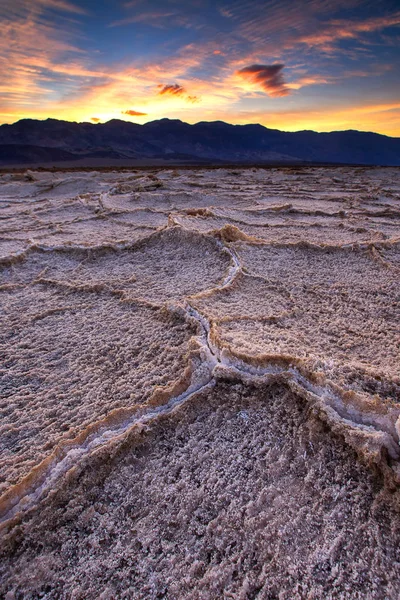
(287, 64)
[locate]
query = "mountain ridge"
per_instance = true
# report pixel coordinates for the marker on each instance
(29, 141)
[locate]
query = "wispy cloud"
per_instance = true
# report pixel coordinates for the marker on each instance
(24, 7)
(29, 69)
(61, 5)
(166, 14)
(308, 80)
(278, 26)
(155, 19)
(339, 29)
(268, 77)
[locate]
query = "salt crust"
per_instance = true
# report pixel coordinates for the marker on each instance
(137, 304)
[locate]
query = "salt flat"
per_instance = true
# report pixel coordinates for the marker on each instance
(200, 383)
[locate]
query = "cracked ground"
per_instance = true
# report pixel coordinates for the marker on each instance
(200, 390)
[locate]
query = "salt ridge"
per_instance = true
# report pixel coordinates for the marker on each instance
(380, 433)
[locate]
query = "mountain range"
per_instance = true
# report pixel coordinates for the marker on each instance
(34, 142)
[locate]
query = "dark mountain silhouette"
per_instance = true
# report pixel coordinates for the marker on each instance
(32, 142)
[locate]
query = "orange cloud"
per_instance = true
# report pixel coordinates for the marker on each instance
(175, 89)
(268, 77)
(27, 67)
(309, 80)
(95, 119)
(134, 113)
(339, 30)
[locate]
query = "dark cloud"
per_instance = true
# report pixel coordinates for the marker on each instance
(134, 113)
(269, 77)
(95, 119)
(174, 89)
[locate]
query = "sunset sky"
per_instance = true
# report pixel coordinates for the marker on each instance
(291, 65)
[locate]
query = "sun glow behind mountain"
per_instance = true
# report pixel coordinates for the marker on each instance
(289, 65)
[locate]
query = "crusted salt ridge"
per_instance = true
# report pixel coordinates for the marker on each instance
(25, 495)
(228, 233)
(21, 256)
(38, 483)
(34, 247)
(155, 233)
(373, 431)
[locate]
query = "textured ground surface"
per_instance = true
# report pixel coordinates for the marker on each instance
(199, 379)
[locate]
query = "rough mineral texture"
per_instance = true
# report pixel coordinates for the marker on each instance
(200, 384)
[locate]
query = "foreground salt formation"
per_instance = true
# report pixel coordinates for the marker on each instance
(224, 343)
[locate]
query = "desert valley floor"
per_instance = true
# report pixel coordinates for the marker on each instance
(200, 384)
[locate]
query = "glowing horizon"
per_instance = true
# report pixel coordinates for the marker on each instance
(318, 65)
